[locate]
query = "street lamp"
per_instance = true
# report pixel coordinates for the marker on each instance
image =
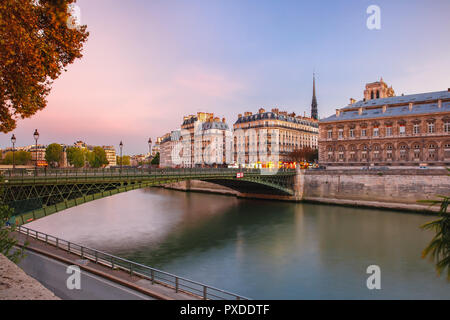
(150, 146)
(36, 137)
(121, 160)
(13, 140)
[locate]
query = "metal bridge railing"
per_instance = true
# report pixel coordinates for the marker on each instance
(105, 173)
(178, 284)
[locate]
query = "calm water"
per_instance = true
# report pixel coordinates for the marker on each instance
(259, 249)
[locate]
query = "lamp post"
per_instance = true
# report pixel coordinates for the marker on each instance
(121, 160)
(13, 140)
(36, 137)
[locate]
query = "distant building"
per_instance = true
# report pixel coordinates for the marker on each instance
(110, 155)
(285, 134)
(137, 159)
(37, 152)
(204, 137)
(384, 129)
(168, 143)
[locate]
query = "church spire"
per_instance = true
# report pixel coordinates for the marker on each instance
(314, 114)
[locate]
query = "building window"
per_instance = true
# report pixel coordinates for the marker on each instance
(363, 132)
(416, 129)
(375, 132)
(402, 154)
(388, 131)
(389, 155)
(431, 128)
(330, 134)
(352, 133)
(341, 133)
(447, 127)
(402, 129)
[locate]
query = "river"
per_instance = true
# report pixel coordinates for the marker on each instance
(259, 249)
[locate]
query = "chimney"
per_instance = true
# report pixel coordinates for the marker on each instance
(410, 106)
(275, 110)
(247, 113)
(439, 103)
(261, 110)
(223, 120)
(240, 115)
(352, 101)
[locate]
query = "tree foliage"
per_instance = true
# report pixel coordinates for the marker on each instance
(36, 45)
(304, 154)
(76, 157)
(155, 160)
(97, 157)
(7, 243)
(439, 248)
(53, 154)
(126, 160)
(20, 157)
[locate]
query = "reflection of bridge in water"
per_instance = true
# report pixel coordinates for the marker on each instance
(48, 191)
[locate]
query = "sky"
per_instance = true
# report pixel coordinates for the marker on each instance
(147, 63)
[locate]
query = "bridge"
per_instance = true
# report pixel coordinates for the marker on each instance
(34, 194)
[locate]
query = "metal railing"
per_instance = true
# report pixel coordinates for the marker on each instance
(107, 173)
(178, 284)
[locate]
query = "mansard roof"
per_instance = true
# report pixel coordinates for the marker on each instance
(274, 116)
(423, 103)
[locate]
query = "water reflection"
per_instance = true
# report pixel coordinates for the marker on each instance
(260, 249)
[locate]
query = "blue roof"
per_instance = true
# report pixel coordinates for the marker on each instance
(419, 107)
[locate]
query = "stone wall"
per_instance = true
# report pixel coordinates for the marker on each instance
(397, 189)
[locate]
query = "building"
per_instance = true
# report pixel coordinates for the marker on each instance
(37, 153)
(384, 129)
(168, 143)
(285, 133)
(137, 160)
(204, 138)
(156, 147)
(110, 155)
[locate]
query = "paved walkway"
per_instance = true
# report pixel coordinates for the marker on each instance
(15, 284)
(121, 277)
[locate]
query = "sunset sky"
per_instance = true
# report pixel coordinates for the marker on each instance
(149, 62)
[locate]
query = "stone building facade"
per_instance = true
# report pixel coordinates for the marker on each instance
(204, 140)
(392, 130)
(167, 145)
(282, 132)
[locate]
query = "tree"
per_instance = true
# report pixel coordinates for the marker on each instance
(20, 157)
(155, 160)
(304, 154)
(7, 243)
(126, 160)
(76, 157)
(36, 45)
(53, 154)
(439, 247)
(97, 158)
